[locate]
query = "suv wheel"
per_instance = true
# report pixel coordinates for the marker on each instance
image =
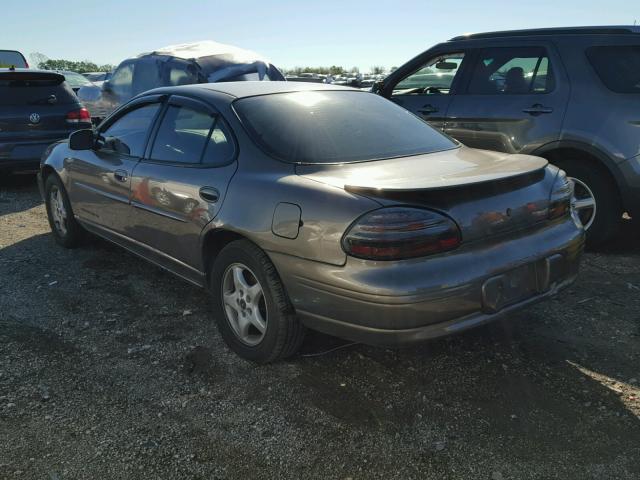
(253, 312)
(65, 228)
(596, 202)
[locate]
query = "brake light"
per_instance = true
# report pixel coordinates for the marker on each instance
(560, 198)
(81, 115)
(400, 232)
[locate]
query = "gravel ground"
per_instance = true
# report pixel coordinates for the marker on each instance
(112, 368)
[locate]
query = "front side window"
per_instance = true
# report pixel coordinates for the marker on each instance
(336, 127)
(191, 136)
(512, 70)
(435, 77)
(617, 66)
(128, 134)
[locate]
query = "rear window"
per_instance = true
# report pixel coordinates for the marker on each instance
(21, 89)
(618, 66)
(335, 127)
(11, 58)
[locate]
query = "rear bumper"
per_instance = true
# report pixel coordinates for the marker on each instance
(393, 303)
(23, 155)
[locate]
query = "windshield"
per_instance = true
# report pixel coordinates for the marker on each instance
(327, 126)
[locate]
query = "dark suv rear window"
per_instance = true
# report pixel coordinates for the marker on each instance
(618, 66)
(327, 126)
(21, 89)
(11, 58)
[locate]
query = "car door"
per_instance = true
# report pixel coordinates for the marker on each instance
(179, 186)
(100, 179)
(426, 85)
(513, 100)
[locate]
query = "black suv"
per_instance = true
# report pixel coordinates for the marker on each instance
(571, 95)
(37, 108)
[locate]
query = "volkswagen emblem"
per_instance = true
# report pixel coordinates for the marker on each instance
(34, 118)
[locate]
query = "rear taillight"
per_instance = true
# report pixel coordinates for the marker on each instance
(400, 232)
(560, 198)
(81, 115)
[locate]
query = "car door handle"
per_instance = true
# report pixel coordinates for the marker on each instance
(121, 175)
(428, 109)
(537, 109)
(209, 194)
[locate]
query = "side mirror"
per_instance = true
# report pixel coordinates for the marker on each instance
(106, 86)
(82, 139)
(377, 87)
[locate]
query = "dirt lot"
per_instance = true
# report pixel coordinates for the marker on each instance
(112, 368)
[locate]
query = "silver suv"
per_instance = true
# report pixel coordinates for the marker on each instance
(571, 95)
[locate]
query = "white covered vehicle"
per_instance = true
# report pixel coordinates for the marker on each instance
(184, 64)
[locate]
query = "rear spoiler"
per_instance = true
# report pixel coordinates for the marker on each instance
(51, 78)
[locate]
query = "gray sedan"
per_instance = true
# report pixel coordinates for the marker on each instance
(302, 205)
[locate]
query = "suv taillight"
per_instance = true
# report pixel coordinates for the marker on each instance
(79, 116)
(560, 198)
(396, 233)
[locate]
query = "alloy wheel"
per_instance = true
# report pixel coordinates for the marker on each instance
(58, 211)
(244, 304)
(583, 203)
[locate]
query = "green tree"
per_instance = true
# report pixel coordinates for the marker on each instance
(80, 67)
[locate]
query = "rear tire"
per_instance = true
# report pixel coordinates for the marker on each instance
(592, 179)
(246, 289)
(65, 228)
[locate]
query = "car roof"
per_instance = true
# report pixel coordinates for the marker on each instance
(592, 30)
(254, 88)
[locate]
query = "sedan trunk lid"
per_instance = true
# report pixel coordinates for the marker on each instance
(486, 193)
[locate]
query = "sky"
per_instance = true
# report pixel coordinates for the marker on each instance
(289, 33)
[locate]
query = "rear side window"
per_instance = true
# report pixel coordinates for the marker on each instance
(11, 58)
(191, 136)
(617, 66)
(33, 89)
(512, 70)
(128, 134)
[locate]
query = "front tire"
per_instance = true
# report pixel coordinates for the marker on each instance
(252, 310)
(596, 201)
(65, 228)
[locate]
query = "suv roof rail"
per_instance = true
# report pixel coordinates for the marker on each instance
(602, 30)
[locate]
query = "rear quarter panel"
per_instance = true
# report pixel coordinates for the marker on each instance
(261, 183)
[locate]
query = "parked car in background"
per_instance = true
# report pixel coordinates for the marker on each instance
(200, 62)
(301, 204)
(37, 108)
(12, 58)
(570, 95)
(97, 76)
(74, 79)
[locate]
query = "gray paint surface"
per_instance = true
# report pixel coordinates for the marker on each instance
(495, 199)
